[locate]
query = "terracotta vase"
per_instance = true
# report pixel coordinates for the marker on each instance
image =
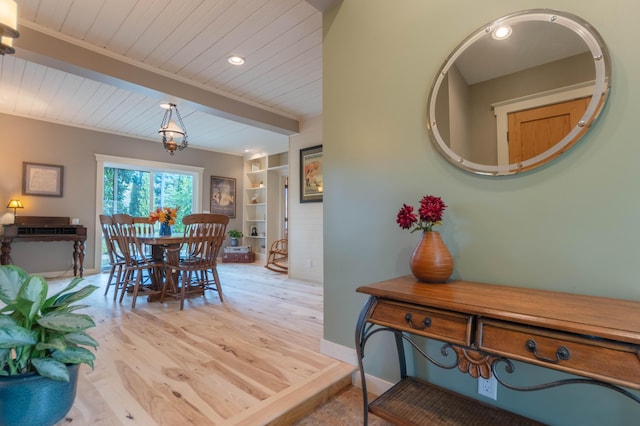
(431, 261)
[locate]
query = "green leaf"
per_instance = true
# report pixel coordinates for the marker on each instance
(69, 286)
(69, 298)
(13, 336)
(24, 308)
(35, 291)
(57, 342)
(11, 278)
(81, 339)
(51, 368)
(77, 307)
(66, 322)
(74, 355)
(6, 321)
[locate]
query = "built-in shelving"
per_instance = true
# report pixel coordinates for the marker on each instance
(263, 201)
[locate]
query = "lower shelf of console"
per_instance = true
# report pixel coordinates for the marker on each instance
(415, 402)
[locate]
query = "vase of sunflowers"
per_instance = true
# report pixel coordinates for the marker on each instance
(166, 216)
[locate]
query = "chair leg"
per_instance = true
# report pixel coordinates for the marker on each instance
(183, 289)
(125, 281)
(136, 287)
(111, 273)
(119, 278)
(214, 269)
(117, 273)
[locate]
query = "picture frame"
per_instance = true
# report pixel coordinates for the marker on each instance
(223, 196)
(311, 175)
(42, 180)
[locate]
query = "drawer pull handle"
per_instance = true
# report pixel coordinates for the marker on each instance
(426, 322)
(562, 353)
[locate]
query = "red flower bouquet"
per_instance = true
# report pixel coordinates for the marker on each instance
(429, 214)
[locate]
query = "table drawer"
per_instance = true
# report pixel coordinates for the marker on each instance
(591, 357)
(447, 326)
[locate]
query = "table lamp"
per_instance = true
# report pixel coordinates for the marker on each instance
(15, 204)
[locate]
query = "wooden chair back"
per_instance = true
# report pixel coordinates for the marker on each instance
(206, 233)
(126, 237)
(105, 223)
(143, 225)
(205, 218)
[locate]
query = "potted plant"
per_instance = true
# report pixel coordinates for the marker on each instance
(42, 344)
(235, 234)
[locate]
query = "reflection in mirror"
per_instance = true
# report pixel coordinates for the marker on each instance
(504, 105)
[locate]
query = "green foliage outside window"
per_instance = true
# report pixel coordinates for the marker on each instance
(129, 191)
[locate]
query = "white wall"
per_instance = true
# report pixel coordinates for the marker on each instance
(305, 219)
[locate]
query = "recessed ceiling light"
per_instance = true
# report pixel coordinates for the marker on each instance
(236, 60)
(502, 32)
(165, 105)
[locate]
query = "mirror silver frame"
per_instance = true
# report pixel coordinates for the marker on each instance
(602, 83)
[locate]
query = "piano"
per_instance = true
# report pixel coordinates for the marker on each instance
(42, 228)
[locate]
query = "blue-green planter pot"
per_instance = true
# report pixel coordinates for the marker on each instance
(33, 400)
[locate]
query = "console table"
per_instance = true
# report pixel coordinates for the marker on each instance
(41, 228)
(484, 326)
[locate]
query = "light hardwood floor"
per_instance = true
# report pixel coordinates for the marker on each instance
(252, 360)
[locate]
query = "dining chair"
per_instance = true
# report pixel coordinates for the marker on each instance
(116, 260)
(196, 271)
(136, 261)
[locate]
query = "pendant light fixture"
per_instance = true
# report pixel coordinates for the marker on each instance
(170, 130)
(8, 26)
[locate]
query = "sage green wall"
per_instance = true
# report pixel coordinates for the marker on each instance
(569, 226)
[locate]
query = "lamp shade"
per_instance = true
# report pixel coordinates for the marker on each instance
(6, 45)
(9, 19)
(15, 204)
(171, 129)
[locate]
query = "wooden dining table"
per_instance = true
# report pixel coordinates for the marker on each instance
(159, 244)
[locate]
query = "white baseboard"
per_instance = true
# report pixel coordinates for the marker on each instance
(339, 352)
(375, 385)
(64, 274)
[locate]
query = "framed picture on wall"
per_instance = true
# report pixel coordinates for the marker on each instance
(223, 196)
(42, 179)
(311, 187)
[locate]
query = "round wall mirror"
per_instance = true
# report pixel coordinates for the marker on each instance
(518, 92)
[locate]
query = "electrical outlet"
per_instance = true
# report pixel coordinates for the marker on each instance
(309, 263)
(488, 387)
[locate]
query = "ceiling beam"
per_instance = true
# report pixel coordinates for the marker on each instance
(45, 49)
(323, 5)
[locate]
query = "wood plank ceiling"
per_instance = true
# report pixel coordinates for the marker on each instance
(107, 65)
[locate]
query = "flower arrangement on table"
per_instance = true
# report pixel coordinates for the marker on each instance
(429, 214)
(431, 261)
(164, 215)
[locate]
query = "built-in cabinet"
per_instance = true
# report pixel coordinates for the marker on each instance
(264, 201)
